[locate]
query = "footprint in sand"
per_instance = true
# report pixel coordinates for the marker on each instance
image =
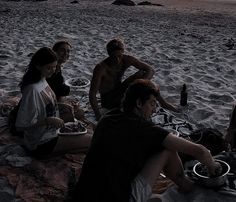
(202, 114)
(223, 98)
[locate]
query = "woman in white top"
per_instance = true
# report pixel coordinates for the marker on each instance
(38, 115)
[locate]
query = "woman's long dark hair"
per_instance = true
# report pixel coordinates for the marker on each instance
(42, 57)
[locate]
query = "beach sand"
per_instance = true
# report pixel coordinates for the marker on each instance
(191, 42)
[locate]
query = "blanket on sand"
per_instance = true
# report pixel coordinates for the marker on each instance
(23, 178)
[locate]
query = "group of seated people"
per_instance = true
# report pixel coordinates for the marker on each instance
(125, 151)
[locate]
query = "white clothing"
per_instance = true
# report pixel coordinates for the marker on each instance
(141, 191)
(38, 102)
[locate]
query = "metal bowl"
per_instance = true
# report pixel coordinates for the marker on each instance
(211, 182)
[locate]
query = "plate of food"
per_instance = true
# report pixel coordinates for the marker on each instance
(77, 82)
(73, 128)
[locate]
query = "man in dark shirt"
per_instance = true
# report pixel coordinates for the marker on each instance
(128, 152)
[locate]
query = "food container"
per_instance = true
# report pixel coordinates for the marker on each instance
(77, 83)
(73, 128)
(200, 173)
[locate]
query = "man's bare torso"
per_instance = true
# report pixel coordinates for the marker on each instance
(112, 76)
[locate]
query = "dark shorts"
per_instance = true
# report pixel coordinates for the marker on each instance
(113, 98)
(44, 149)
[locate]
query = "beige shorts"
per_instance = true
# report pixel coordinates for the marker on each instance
(141, 191)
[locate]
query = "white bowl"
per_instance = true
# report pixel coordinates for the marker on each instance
(71, 128)
(207, 181)
(77, 82)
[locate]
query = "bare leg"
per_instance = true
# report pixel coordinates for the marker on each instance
(72, 144)
(170, 163)
(174, 170)
(154, 166)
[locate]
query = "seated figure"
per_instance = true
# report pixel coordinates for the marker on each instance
(128, 152)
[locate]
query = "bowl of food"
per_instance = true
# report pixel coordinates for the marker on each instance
(73, 128)
(203, 177)
(77, 82)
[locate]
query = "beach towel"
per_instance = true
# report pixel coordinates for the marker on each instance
(28, 179)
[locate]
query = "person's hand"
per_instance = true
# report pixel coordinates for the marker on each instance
(55, 121)
(215, 170)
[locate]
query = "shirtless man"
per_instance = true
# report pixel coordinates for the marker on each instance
(107, 78)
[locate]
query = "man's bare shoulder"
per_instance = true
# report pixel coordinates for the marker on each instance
(100, 67)
(129, 59)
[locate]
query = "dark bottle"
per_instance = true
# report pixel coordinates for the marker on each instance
(184, 96)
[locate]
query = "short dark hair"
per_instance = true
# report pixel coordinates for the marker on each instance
(58, 44)
(140, 89)
(113, 45)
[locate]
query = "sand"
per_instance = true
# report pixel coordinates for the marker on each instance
(192, 42)
(186, 41)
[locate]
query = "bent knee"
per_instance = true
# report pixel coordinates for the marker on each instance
(167, 153)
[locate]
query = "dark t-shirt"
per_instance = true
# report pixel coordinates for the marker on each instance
(56, 82)
(121, 145)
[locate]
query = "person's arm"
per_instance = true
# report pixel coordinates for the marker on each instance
(49, 121)
(199, 152)
(94, 87)
(231, 131)
(146, 71)
(29, 110)
(163, 103)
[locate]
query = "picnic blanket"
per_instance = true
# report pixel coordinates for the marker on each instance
(23, 178)
(227, 192)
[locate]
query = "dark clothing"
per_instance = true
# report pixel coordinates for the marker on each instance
(44, 149)
(113, 98)
(121, 145)
(56, 82)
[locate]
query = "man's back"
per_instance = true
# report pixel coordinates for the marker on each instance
(118, 152)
